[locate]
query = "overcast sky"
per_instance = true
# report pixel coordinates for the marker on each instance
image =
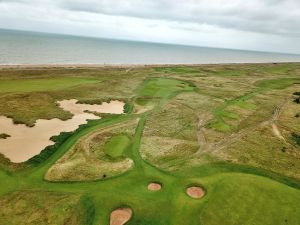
(265, 25)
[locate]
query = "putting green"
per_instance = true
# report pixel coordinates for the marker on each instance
(116, 146)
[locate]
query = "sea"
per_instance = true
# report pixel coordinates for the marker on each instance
(24, 47)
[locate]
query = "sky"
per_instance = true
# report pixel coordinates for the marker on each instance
(263, 25)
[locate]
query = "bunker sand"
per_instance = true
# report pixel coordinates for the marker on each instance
(26, 142)
(154, 186)
(195, 192)
(120, 216)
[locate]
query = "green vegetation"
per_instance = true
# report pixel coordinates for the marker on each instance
(229, 128)
(116, 146)
(45, 207)
(96, 153)
(174, 69)
(296, 138)
(276, 83)
(53, 84)
(160, 89)
(128, 108)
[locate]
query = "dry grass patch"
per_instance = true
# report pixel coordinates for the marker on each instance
(87, 159)
(29, 107)
(261, 148)
(164, 152)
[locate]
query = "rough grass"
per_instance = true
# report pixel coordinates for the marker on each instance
(98, 155)
(28, 107)
(261, 148)
(44, 207)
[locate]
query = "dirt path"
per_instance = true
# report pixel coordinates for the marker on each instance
(277, 112)
(202, 120)
(277, 132)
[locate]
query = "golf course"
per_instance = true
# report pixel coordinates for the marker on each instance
(153, 145)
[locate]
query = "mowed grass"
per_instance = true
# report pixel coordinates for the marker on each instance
(47, 84)
(156, 89)
(250, 200)
(116, 146)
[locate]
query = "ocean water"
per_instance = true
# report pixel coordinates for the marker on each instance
(20, 47)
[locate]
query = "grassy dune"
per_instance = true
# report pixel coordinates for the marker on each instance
(211, 126)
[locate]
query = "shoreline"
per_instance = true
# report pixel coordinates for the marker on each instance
(126, 66)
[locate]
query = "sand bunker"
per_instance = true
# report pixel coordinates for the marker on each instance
(120, 216)
(154, 186)
(26, 142)
(195, 192)
(113, 107)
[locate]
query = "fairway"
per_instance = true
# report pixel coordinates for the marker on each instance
(52, 84)
(204, 154)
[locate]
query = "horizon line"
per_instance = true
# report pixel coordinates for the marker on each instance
(145, 42)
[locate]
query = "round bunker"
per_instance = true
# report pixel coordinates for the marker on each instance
(120, 216)
(154, 186)
(195, 192)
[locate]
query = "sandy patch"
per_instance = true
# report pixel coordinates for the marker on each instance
(195, 192)
(26, 142)
(113, 107)
(154, 186)
(277, 132)
(120, 216)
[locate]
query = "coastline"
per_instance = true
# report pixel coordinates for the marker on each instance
(126, 66)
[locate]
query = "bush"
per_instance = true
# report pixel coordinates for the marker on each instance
(297, 93)
(128, 107)
(297, 100)
(296, 138)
